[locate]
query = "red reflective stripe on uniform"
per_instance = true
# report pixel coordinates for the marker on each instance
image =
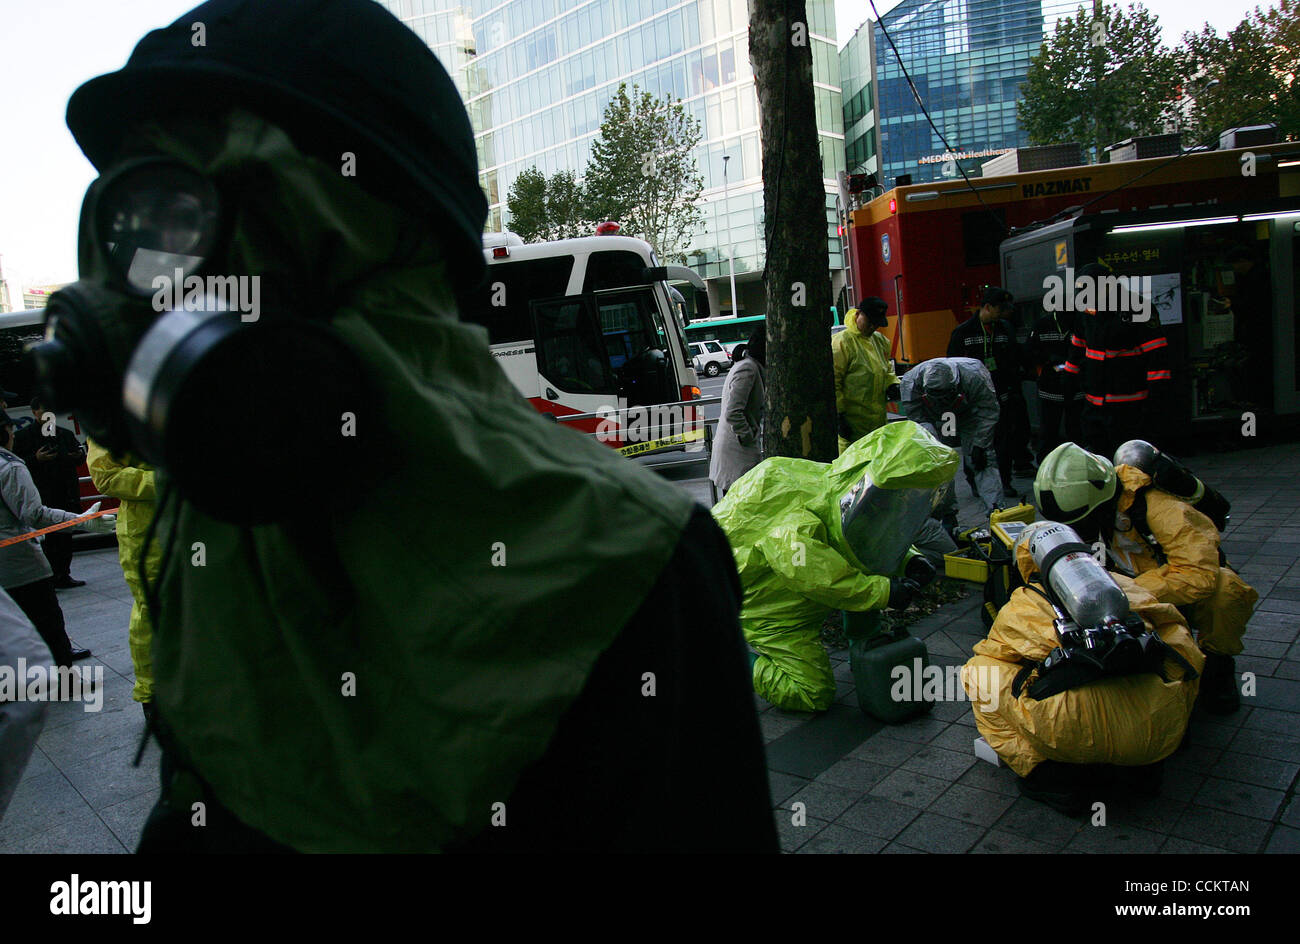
(1095, 355)
(1130, 352)
(1077, 341)
(1096, 401)
(1158, 375)
(1154, 343)
(1071, 368)
(1125, 397)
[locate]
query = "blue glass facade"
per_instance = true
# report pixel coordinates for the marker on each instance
(536, 76)
(858, 84)
(968, 59)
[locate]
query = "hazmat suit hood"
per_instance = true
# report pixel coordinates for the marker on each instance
(373, 676)
(899, 456)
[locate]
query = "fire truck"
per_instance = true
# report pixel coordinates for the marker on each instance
(930, 249)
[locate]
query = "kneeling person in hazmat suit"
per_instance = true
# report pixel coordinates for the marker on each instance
(1144, 510)
(1081, 669)
(811, 538)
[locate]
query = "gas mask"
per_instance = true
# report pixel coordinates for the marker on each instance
(879, 524)
(239, 390)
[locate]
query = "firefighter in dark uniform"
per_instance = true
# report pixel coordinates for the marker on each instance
(990, 339)
(1060, 401)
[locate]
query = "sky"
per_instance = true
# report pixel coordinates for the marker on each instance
(49, 47)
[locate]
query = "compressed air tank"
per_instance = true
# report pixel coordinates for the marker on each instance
(1081, 585)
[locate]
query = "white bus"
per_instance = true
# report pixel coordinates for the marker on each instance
(591, 326)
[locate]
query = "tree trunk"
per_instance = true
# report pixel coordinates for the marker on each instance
(800, 410)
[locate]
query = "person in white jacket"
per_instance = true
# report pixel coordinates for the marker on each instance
(24, 572)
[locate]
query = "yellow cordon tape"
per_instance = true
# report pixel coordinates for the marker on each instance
(57, 527)
(637, 448)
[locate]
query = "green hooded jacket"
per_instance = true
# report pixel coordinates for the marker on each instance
(376, 680)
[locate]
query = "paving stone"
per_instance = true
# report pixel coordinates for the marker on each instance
(1207, 734)
(1224, 830)
(1157, 814)
(877, 816)
(1176, 846)
(937, 762)
(1001, 842)
(1115, 838)
(1285, 841)
(957, 738)
(819, 742)
(839, 840)
(910, 788)
(1264, 744)
(784, 786)
(1039, 821)
(984, 776)
(127, 819)
(823, 800)
(792, 837)
(1291, 815)
(854, 774)
(1260, 771)
(81, 832)
(39, 803)
(1180, 783)
(1286, 723)
(885, 750)
(1243, 798)
(931, 832)
(970, 805)
(1195, 757)
(895, 848)
(921, 730)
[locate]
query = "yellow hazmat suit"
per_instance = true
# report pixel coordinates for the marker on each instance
(863, 372)
(1130, 720)
(1218, 602)
(782, 520)
(133, 484)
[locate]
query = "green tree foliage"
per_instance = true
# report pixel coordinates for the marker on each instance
(1250, 76)
(540, 208)
(1101, 79)
(642, 172)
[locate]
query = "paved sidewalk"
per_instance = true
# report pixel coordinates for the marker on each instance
(917, 787)
(867, 787)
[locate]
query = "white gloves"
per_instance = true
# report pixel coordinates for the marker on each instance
(101, 525)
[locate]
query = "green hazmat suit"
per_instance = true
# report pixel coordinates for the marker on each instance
(863, 372)
(782, 519)
(132, 482)
(376, 678)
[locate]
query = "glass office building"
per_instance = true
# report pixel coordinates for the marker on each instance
(536, 76)
(858, 84)
(968, 59)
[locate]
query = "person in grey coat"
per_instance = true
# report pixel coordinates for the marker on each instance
(736, 447)
(21, 719)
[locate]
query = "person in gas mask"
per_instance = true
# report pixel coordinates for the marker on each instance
(864, 371)
(811, 538)
(1085, 682)
(953, 398)
(546, 655)
(1169, 547)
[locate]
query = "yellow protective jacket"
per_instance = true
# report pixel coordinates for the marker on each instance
(863, 372)
(1130, 720)
(1219, 602)
(132, 483)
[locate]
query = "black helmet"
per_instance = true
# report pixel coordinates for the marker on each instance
(338, 75)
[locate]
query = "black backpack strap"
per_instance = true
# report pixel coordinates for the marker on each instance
(1137, 514)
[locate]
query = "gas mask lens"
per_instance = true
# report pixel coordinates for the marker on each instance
(156, 218)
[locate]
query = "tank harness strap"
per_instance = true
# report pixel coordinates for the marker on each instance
(1137, 514)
